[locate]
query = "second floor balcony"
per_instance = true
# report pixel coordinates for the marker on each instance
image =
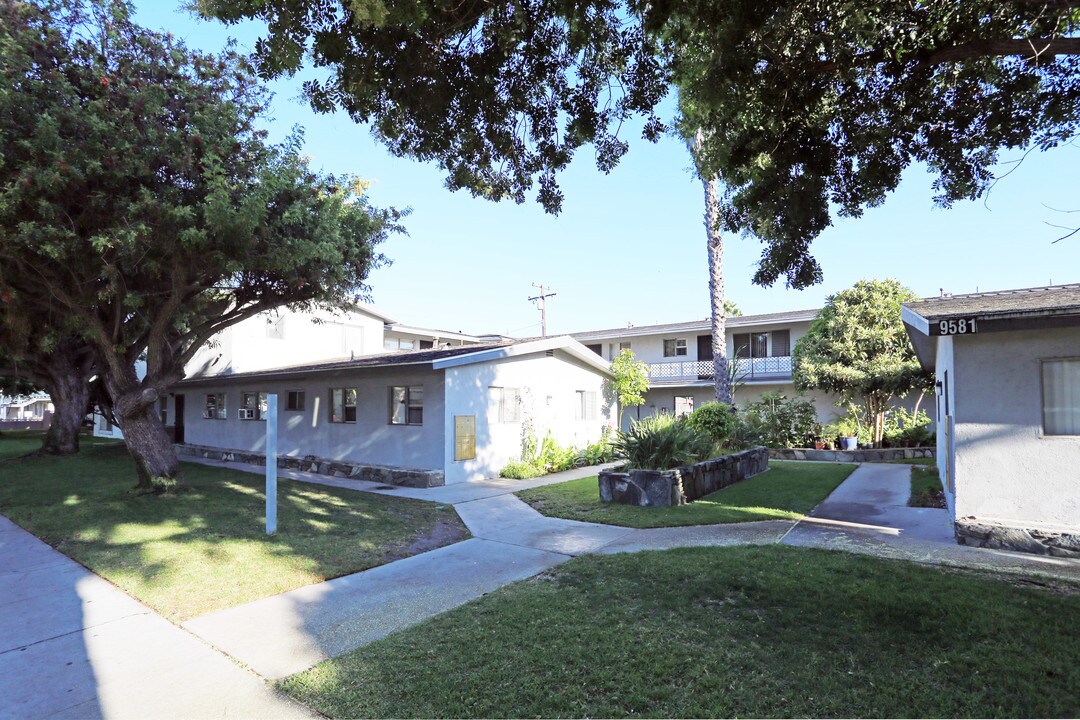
(747, 370)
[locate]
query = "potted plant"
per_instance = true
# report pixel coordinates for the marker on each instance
(847, 429)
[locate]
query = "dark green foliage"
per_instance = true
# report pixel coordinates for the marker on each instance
(661, 442)
(780, 421)
(716, 420)
(807, 108)
(499, 94)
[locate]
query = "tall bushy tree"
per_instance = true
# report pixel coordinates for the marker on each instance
(857, 348)
(138, 199)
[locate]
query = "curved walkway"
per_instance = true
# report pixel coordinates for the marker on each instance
(105, 655)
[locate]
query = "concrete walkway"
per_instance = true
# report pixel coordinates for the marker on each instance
(74, 646)
(82, 648)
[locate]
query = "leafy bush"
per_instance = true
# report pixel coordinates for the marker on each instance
(521, 470)
(715, 419)
(782, 422)
(742, 436)
(662, 442)
(553, 457)
(597, 453)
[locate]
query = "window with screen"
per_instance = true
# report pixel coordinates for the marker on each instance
(1061, 397)
(295, 400)
(343, 405)
(674, 347)
(215, 407)
(407, 405)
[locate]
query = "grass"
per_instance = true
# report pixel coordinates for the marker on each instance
(787, 491)
(926, 490)
(203, 549)
(724, 632)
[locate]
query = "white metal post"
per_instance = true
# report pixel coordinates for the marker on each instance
(271, 463)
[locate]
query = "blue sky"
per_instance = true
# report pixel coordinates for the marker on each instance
(629, 247)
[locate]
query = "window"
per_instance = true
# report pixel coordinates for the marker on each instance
(675, 347)
(215, 408)
(252, 406)
(275, 328)
(684, 404)
(598, 348)
(343, 405)
(394, 344)
(585, 405)
(752, 345)
(615, 349)
(163, 410)
(407, 405)
(507, 402)
(1061, 397)
(781, 343)
(464, 437)
(295, 400)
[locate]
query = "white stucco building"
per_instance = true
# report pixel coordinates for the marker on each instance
(1008, 411)
(680, 360)
(425, 417)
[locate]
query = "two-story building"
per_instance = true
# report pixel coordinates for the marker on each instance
(680, 359)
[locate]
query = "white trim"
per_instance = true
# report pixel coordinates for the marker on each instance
(563, 342)
(914, 320)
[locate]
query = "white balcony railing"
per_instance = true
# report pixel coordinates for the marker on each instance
(766, 368)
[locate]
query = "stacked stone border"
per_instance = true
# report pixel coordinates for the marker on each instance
(666, 488)
(970, 531)
(383, 474)
(873, 455)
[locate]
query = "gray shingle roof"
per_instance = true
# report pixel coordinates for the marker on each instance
(1053, 300)
(696, 325)
(408, 357)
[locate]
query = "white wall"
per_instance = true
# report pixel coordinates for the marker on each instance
(539, 379)
(371, 439)
(307, 337)
(1007, 471)
(650, 348)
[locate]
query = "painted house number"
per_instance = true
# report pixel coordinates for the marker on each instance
(963, 326)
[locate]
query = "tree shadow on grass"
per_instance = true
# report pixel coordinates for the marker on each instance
(205, 548)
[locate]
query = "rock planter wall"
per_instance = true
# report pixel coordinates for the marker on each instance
(665, 488)
(971, 532)
(406, 477)
(875, 455)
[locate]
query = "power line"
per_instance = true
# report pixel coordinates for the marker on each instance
(541, 302)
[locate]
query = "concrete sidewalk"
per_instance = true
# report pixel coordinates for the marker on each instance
(74, 646)
(868, 514)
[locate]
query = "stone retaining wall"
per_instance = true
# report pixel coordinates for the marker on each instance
(969, 531)
(383, 474)
(874, 455)
(665, 488)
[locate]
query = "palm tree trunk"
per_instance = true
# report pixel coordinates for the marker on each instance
(721, 379)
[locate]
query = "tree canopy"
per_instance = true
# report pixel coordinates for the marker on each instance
(858, 349)
(630, 383)
(806, 107)
(139, 201)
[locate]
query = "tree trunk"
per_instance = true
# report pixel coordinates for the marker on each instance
(150, 446)
(135, 405)
(721, 378)
(69, 396)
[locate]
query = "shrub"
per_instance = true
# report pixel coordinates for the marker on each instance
(662, 442)
(715, 419)
(743, 435)
(781, 422)
(597, 453)
(521, 470)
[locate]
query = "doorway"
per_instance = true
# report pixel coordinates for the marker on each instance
(178, 418)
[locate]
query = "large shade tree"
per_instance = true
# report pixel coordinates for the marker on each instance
(139, 201)
(794, 109)
(857, 348)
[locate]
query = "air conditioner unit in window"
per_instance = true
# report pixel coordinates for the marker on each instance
(247, 413)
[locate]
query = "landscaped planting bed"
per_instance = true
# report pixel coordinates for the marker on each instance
(787, 491)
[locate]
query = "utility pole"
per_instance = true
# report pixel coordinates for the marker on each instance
(541, 302)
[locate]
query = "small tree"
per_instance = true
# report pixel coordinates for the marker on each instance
(630, 383)
(857, 348)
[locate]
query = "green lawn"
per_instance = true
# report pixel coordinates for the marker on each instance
(14, 443)
(205, 548)
(787, 491)
(910, 461)
(926, 490)
(724, 632)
